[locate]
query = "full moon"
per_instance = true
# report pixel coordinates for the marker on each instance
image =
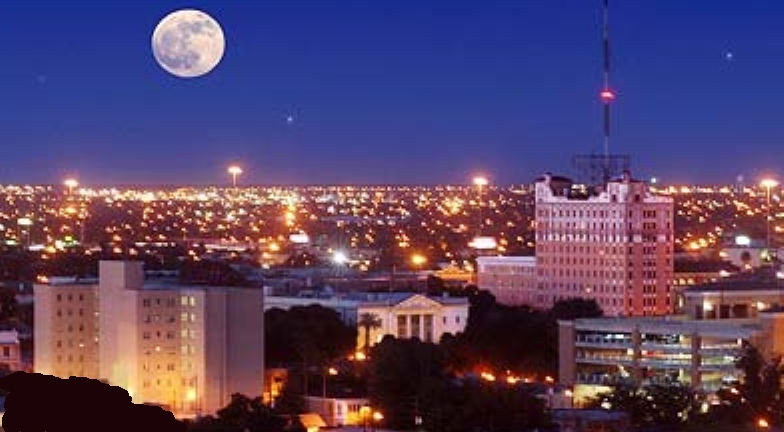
(188, 43)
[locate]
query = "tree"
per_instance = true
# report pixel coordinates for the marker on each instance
(304, 338)
(9, 308)
(653, 405)
(368, 322)
(312, 334)
(575, 308)
(400, 372)
(759, 395)
(246, 414)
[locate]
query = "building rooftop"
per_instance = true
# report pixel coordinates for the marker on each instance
(672, 324)
(703, 266)
(764, 279)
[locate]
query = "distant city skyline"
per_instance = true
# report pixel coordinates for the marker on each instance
(320, 92)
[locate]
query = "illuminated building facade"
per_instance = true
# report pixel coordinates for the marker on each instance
(187, 348)
(414, 316)
(10, 352)
(511, 279)
(699, 348)
(614, 245)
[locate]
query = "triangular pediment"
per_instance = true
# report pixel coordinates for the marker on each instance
(417, 301)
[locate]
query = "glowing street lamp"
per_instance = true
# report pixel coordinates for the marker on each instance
(418, 260)
(331, 372)
(234, 171)
(377, 417)
(71, 184)
(340, 258)
(480, 242)
(768, 184)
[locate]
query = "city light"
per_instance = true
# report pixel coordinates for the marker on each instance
(484, 243)
(71, 184)
(234, 171)
(418, 260)
(769, 183)
(340, 258)
(480, 181)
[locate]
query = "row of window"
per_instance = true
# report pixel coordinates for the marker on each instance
(69, 297)
(170, 301)
(648, 214)
(184, 317)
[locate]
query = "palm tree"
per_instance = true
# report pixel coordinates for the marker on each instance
(368, 322)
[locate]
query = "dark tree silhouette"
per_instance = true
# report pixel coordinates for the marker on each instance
(43, 403)
(368, 322)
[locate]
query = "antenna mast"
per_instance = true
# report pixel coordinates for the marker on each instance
(594, 168)
(607, 94)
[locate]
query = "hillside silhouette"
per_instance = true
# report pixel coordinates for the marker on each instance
(44, 403)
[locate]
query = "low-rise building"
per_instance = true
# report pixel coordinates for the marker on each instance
(337, 411)
(698, 348)
(10, 352)
(511, 279)
(398, 314)
(406, 315)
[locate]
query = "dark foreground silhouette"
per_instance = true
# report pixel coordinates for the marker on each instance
(43, 403)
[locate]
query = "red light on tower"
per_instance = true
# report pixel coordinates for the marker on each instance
(607, 95)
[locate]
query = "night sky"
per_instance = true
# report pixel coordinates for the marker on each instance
(403, 92)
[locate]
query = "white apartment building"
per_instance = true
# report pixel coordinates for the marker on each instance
(187, 348)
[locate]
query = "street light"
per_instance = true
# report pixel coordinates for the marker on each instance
(418, 260)
(364, 415)
(234, 171)
(377, 417)
(71, 183)
(331, 372)
(768, 184)
(480, 242)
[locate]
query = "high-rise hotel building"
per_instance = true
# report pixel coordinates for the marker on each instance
(614, 245)
(187, 348)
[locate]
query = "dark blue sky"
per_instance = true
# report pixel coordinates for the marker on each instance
(409, 91)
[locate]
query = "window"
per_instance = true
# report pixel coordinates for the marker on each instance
(402, 327)
(428, 328)
(146, 303)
